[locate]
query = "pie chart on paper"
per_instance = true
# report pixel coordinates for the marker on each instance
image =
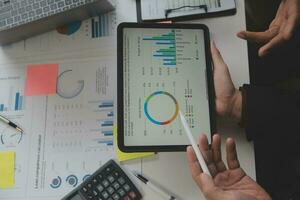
(70, 28)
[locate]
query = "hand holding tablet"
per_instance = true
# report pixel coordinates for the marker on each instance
(163, 68)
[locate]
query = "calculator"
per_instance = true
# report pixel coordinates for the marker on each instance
(109, 182)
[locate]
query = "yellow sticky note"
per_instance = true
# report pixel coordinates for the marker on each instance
(127, 156)
(7, 169)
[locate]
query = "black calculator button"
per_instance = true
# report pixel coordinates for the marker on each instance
(121, 192)
(116, 185)
(100, 176)
(105, 195)
(116, 174)
(84, 189)
(108, 169)
(109, 199)
(90, 196)
(116, 197)
(121, 180)
(89, 185)
(100, 188)
(94, 181)
(110, 190)
(111, 179)
(126, 187)
(95, 193)
(105, 183)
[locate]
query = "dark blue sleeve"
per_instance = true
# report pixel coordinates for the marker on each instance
(272, 114)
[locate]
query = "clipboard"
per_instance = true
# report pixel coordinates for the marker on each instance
(184, 11)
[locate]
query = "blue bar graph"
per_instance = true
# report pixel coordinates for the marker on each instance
(93, 28)
(102, 22)
(100, 26)
(110, 114)
(97, 29)
(17, 101)
(107, 133)
(106, 123)
(166, 48)
(166, 43)
(20, 103)
(108, 143)
(106, 104)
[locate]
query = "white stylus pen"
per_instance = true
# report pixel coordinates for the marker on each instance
(194, 144)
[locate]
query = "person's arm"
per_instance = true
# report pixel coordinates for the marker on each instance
(270, 112)
(230, 183)
(264, 111)
(271, 119)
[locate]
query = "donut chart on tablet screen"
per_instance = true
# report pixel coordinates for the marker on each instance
(156, 121)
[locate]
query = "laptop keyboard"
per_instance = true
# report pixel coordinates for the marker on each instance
(17, 12)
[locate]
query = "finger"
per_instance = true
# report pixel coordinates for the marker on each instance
(207, 154)
(275, 42)
(217, 154)
(284, 34)
(194, 165)
(259, 37)
(290, 25)
(204, 181)
(280, 15)
(220, 66)
(232, 159)
(216, 56)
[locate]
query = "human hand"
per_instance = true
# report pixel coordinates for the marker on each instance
(280, 30)
(228, 98)
(225, 184)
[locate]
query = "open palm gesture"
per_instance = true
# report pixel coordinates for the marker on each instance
(225, 184)
(280, 30)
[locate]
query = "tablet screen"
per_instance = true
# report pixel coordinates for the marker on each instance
(164, 71)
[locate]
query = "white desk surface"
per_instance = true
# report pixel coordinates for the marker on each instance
(170, 169)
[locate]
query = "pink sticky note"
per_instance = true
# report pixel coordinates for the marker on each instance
(41, 79)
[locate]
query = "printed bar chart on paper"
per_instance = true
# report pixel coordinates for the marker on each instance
(12, 90)
(63, 133)
(100, 26)
(106, 104)
(16, 102)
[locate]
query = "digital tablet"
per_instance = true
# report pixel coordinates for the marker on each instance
(163, 69)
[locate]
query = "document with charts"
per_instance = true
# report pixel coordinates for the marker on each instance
(67, 136)
(78, 35)
(157, 9)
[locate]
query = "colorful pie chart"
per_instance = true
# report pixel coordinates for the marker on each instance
(156, 121)
(70, 28)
